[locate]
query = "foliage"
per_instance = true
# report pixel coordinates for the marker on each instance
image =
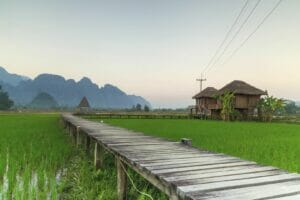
(275, 144)
(146, 108)
(291, 108)
(138, 107)
(5, 102)
(269, 106)
(227, 110)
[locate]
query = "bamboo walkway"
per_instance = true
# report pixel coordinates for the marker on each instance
(179, 170)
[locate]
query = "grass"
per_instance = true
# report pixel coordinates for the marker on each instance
(275, 144)
(32, 154)
(39, 161)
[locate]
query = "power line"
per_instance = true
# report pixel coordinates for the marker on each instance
(235, 35)
(227, 35)
(254, 31)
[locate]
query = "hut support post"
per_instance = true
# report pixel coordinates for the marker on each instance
(98, 155)
(122, 180)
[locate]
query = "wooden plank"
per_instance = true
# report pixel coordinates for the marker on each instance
(188, 181)
(268, 191)
(182, 162)
(217, 173)
(195, 164)
(290, 196)
(165, 171)
(238, 183)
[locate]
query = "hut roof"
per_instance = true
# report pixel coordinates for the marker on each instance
(84, 103)
(241, 87)
(209, 92)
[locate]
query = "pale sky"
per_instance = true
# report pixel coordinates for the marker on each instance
(152, 48)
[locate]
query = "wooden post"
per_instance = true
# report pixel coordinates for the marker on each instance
(69, 126)
(173, 197)
(70, 130)
(78, 139)
(98, 155)
(88, 143)
(122, 180)
(186, 141)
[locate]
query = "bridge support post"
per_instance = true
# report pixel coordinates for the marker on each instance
(87, 143)
(98, 155)
(186, 141)
(78, 138)
(122, 180)
(71, 130)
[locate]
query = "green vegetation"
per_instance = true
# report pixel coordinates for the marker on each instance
(38, 161)
(33, 152)
(269, 106)
(275, 144)
(227, 110)
(5, 102)
(43, 101)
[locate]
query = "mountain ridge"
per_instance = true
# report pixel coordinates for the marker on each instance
(68, 92)
(12, 79)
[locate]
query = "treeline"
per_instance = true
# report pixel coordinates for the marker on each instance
(5, 102)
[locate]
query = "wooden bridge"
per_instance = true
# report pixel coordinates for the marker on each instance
(179, 170)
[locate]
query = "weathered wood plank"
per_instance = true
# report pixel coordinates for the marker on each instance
(238, 183)
(217, 173)
(165, 171)
(286, 190)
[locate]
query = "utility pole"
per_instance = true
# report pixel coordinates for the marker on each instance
(201, 80)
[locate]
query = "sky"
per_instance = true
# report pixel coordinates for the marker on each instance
(153, 48)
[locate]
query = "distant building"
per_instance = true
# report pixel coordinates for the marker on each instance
(245, 102)
(84, 105)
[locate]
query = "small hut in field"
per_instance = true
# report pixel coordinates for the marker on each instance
(246, 96)
(205, 100)
(84, 105)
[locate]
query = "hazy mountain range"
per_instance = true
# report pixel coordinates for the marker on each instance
(22, 90)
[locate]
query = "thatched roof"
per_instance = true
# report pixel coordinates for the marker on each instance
(208, 92)
(84, 103)
(241, 87)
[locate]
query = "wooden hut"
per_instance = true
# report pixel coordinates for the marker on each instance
(84, 105)
(205, 100)
(246, 96)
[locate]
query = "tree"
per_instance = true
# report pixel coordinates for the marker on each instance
(227, 109)
(291, 107)
(269, 106)
(138, 107)
(146, 108)
(5, 102)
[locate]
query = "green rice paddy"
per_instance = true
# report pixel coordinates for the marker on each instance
(275, 144)
(39, 161)
(33, 151)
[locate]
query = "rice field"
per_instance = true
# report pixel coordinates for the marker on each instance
(39, 161)
(275, 144)
(33, 152)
